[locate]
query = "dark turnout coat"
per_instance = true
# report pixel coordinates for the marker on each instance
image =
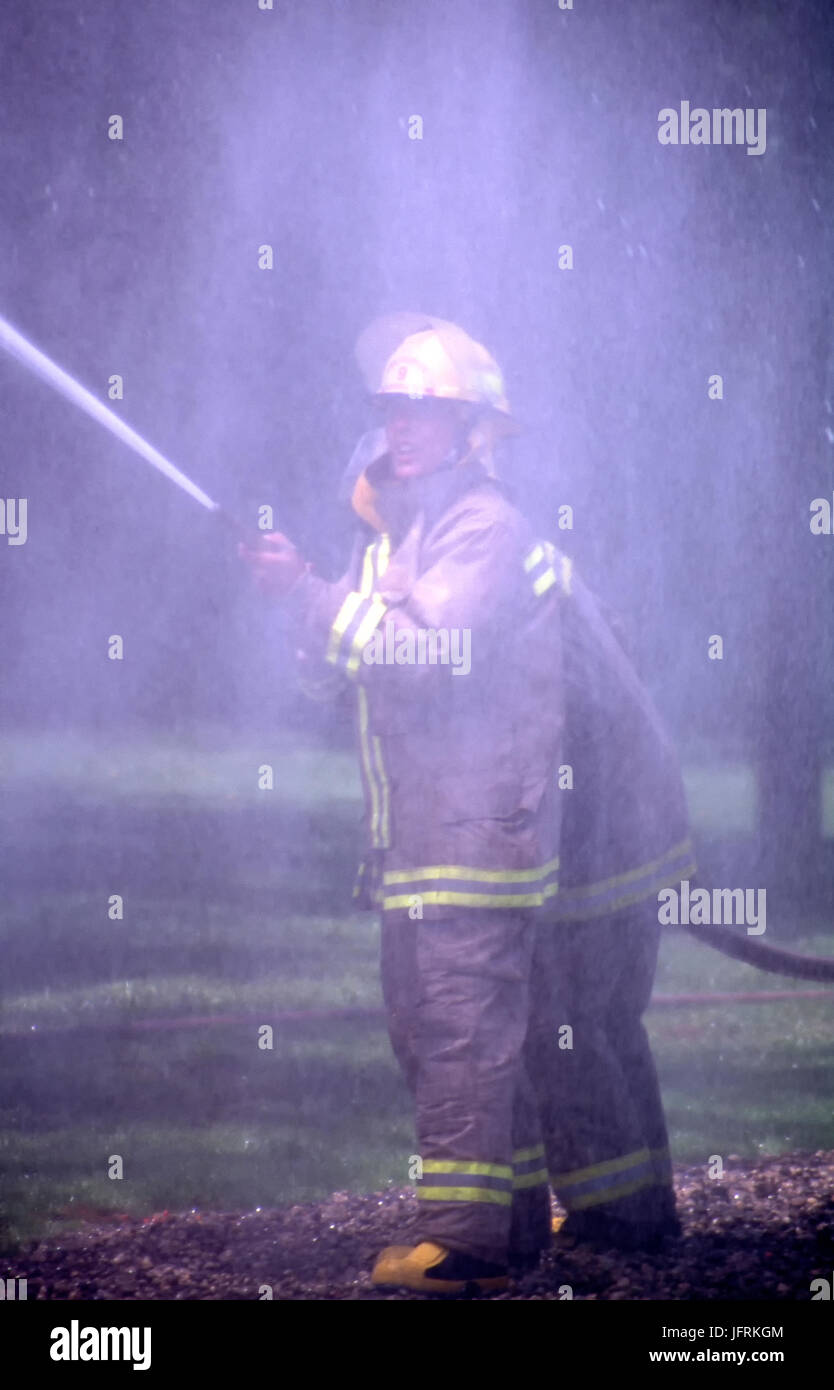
(461, 767)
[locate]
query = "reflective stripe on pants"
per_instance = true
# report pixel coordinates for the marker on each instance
(456, 993)
(599, 1099)
(476, 1010)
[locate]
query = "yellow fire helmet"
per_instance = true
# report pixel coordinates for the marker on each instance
(417, 355)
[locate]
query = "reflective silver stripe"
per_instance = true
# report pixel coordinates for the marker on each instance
(342, 621)
(584, 901)
(662, 1161)
(534, 1179)
(465, 1194)
(454, 885)
(625, 1163)
(370, 778)
(616, 1189)
(383, 555)
(469, 1167)
(442, 871)
(525, 1155)
(462, 1180)
(367, 583)
(385, 792)
(370, 620)
(449, 898)
(546, 567)
(375, 562)
(605, 1182)
(529, 1168)
(348, 610)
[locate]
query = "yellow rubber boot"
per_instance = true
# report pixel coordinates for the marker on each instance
(430, 1268)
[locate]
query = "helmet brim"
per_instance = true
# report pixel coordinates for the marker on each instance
(376, 344)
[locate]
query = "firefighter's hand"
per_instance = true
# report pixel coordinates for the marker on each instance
(275, 564)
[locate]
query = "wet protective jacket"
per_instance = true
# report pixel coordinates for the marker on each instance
(546, 751)
(625, 828)
(453, 648)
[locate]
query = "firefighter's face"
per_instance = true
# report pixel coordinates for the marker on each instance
(420, 433)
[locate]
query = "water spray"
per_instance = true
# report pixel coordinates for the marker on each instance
(25, 352)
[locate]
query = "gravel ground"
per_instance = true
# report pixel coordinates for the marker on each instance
(763, 1231)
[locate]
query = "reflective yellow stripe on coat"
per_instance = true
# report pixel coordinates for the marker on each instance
(354, 623)
(361, 612)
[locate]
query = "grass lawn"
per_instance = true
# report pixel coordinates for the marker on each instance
(235, 903)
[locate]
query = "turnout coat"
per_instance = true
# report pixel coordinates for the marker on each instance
(510, 757)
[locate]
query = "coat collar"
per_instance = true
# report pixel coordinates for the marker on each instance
(391, 504)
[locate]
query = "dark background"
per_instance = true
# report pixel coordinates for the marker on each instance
(290, 127)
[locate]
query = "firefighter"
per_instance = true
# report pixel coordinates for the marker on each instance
(624, 837)
(482, 965)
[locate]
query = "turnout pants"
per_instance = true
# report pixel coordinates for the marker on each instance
(524, 1050)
